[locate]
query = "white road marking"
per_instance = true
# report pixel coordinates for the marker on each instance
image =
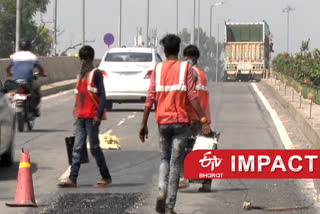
(121, 122)
(109, 132)
(65, 175)
(278, 123)
(131, 116)
(307, 183)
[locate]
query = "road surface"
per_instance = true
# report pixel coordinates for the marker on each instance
(238, 114)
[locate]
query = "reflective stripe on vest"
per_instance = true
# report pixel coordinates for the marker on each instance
(181, 86)
(90, 85)
(199, 85)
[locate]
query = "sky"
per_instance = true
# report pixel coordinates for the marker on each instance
(102, 16)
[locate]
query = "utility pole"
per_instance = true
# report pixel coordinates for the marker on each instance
(54, 52)
(120, 24)
(217, 53)
(211, 14)
(193, 21)
(210, 34)
(199, 9)
(83, 23)
(288, 10)
(177, 27)
(18, 19)
(148, 11)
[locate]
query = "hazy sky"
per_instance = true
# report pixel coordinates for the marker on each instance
(102, 17)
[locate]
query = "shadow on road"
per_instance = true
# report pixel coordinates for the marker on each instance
(11, 173)
(49, 130)
(115, 185)
(216, 190)
(126, 110)
(229, 189)
(127, 185)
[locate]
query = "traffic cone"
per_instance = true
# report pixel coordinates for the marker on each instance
(24, 193)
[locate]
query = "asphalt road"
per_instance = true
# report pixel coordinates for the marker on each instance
(237, 113)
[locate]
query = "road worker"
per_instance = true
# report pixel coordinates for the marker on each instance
(192, 54)
(173, 88)
(88, 111)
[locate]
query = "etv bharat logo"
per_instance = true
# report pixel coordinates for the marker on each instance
(212, 161)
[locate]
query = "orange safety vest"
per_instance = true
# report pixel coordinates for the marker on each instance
(92, 101)
(203, 95)
(171, 92)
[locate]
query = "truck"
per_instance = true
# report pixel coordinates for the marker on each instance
(247, 48)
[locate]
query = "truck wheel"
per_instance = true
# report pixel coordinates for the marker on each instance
(20, 120)
(30, 124)
(109, 105)
(155, 106)
(7, 157)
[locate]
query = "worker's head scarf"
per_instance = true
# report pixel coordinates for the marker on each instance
(86, 67)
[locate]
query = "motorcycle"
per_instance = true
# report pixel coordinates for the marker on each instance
(21, 101)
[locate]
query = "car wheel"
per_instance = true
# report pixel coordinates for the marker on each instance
(109, 105)
(30, 124)
(7, 157)
(155, 106)
(20, 120)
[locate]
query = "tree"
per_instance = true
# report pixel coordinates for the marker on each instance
(303, 66)
(42, 42)
(40, 35)
(208, 50)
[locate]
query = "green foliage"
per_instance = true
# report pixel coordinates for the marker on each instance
(29, 29)
(208, 50)
(42, 43)
(306, 87)
(303, 66)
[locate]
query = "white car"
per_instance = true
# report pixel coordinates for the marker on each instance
(7, 124)
(128, 74)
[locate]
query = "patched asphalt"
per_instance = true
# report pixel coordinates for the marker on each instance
(115, 203)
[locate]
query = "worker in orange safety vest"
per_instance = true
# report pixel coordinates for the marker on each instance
(192, 54)
(88, 112)
(173, 87)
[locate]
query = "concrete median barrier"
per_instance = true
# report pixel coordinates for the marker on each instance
(310, 128)
(61, 71)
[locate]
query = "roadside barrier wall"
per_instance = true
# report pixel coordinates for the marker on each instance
(57, 69)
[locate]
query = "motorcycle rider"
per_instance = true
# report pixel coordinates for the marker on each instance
(22, 63)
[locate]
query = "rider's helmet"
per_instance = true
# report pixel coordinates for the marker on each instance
(25, 45)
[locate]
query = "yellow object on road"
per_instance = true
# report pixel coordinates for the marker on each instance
(108, 142)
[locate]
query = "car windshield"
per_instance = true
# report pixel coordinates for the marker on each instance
(129, 57)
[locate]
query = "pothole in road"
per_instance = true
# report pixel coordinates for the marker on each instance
(115, 203)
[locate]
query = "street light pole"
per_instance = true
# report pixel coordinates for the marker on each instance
(199, 9)
(148, 7)
(193, 21)
(177, 26)
(211, 12)
(217, 39)
(288, 30)
(54, 52)
(217, 53)
(18, 18)
(288, 10)
(210, 34)
(120, 24)
(83, 23)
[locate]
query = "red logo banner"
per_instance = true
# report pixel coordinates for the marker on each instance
(252, 164)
